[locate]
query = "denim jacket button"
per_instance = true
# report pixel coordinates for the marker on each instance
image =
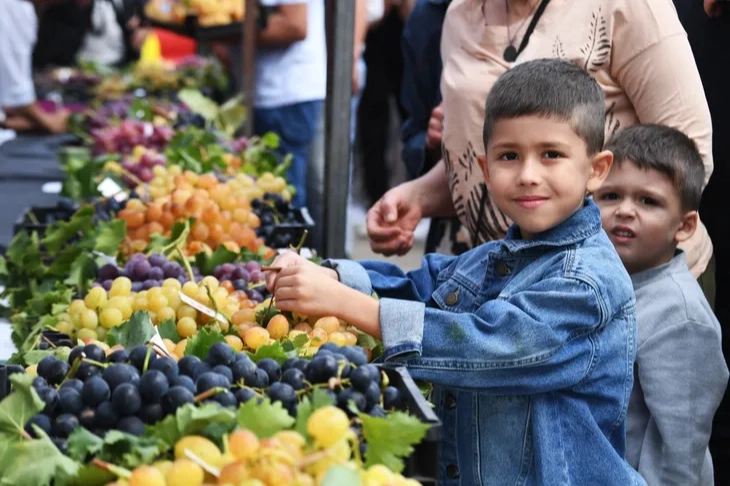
(452, 298)
(503, 270)
(450, 402)
(452, 471)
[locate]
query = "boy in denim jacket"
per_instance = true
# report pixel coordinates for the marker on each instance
(648, 205)
(529, 341)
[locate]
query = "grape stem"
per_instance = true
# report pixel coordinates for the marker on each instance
(206, 467)
(209, 393)
(299, 246)
(185, 262)
(146, 360)
(50, 343)
(74, 368)
(95, 363)
(119, 472)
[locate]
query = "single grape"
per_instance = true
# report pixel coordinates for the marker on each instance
(87, 418)
(392, 398)
(372, 395)
(146, 476)
(126, 400)
(261, 379)
(75, 354)
(64, 425)
(185, 382)
(107, 285)
(86, 371)
(377, 411)
(42, 421)
(225, 398)
(39, 382)
(243, 370)
(151, 413)
(220, 354)
(138, 355)
(108, 272)
(137, 287)
(105, 416)
(350, 395)
(149, 283)
(355, 354)
(240, 273)
(175, 398)
(187, 364)
(95, 391)
(327, 425)
(253, 265)
(210, 380)
(156, 273)
(157, 260)
(73, 384)
(321, 369)
(271, 368)
(244, 394)
(167, 366)
(224, 371)
(118, 356)
(295, 378)
(343, 364)
(153, 385)
(360, 378)
(69, 401)
(329, 347)
(50, 398)
(171, 270)
(282, 392)
(201, 368)
(94, 352)
(131, 425)
(116, 375)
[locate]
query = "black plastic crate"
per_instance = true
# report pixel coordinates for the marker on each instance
(282, 235)
(422, 465)
(4, 382)
(38, 218)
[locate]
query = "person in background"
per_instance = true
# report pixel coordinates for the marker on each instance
(291, 74)
(708, 31)
(649, 204)
(384, 63)
(18, 105)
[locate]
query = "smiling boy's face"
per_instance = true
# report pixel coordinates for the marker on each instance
(642, 213)
(538, 170)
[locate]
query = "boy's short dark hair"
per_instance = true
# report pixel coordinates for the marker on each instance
(666, 150)
(554, 89)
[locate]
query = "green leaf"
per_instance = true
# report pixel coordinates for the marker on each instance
(136, 331)
(270, 140)
(308, 405)
(82, 272)
(198, 103)
(296, 344)
(341, 476)
(82, 444)
(35, 356)
(168, 330)
(87, 475)
(369, 342)
(111, 235)
(36, 462)
(190, 420)
(129, 451)
(59, 234)
(274, 351)
(391, 439)
(140, 109)
(265, 418)
(199, 344)
(206, 263)
(15, 411)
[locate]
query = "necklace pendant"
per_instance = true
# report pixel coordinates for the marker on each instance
(510, 53)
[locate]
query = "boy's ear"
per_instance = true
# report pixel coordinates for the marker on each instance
(687, 227)
(482, 159)
(600, 167)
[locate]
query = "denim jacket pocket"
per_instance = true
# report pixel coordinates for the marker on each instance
(456, 294)
(503, 435)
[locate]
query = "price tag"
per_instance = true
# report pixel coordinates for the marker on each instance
(109, 188)
(204, 309)
(160, 344)
(148, 129)
(51, 187)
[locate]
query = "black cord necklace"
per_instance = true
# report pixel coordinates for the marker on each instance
(511, 52)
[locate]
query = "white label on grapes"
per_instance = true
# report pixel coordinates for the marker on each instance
(305, 252)
(201, 308)
(51, 187)
(109, 188)
(159, 343)
(148, 129)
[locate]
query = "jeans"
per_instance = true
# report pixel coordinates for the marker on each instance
(296, 127)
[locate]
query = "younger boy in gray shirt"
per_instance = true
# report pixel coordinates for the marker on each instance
(648, 205)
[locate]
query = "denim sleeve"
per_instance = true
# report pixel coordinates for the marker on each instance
(402, 295)
(534, 341)
(683, 376)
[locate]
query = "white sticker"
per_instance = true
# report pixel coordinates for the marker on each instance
(148, 129)
(160, 344)
(51, 187)
(109, 188)
(305, 252)
(204, 309)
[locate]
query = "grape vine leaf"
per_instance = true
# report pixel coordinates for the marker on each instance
(188, 420)
(35, 462)
(206, 263)
(81, 444)
(199, 344)
(59, 234)
(34, 356)
(197, 103)
(110, 236)
(136, 331)
(15, 411)
(274, 351)
(263, 418)
(341, 476)
(295, 344)
(82, 271)
(168, 330)
(129, 451)
(391, 439)
(307, 406)
(87, 475)
(369, 342)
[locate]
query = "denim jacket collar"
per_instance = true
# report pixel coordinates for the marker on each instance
(582, 224)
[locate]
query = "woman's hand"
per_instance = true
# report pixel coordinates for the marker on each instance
(435, 128)
(393, 219)
(713, 8)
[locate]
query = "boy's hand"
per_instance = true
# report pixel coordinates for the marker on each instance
(292, 259)
(302, 289)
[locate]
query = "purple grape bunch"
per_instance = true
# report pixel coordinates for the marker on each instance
(144, 272)
(142, 170)
(241, 275)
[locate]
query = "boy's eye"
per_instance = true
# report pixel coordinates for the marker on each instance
(649, 201)
(509, 156)
(609, 196)
(552, 154)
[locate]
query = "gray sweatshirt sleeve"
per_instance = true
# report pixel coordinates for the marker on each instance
(683, 375)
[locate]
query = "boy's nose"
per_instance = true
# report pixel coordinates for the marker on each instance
(528, 174)
(625, 209)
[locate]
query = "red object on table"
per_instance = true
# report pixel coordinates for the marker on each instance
(174, 46)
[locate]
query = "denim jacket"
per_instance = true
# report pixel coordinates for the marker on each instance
(530, 345)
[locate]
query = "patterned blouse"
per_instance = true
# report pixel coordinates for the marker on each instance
(636, 49)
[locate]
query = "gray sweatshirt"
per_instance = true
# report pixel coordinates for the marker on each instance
(679, 378)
